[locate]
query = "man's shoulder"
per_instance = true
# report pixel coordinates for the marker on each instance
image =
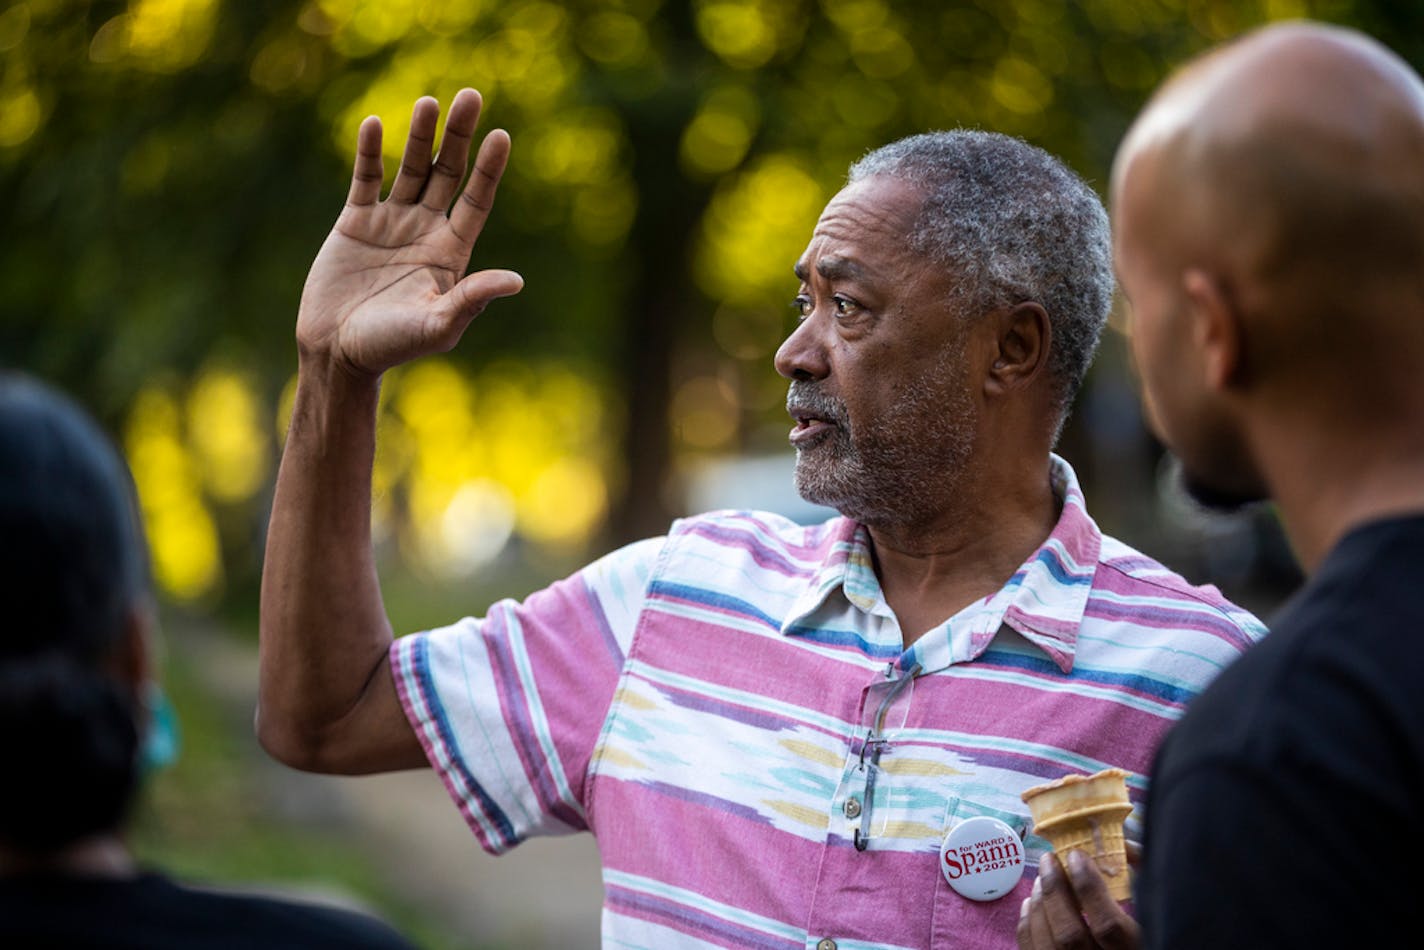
(1135, 583)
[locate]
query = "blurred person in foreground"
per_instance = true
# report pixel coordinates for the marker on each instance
(780, 735)
(1269, 213)
(76, 671)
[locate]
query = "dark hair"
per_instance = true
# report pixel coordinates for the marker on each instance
(73, 567)
(1013, 224)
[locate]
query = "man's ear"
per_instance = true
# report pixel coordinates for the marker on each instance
(1216, 328)
(1022, 340)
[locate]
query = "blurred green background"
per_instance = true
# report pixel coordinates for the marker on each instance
(169, 168)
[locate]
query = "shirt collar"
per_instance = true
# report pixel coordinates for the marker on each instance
(1043, 601)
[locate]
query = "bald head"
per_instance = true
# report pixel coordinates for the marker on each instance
(1290, 165)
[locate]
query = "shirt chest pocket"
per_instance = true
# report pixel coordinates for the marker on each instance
(978, 862)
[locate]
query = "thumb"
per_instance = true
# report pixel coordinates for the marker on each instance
(473, 293)
(462, 303)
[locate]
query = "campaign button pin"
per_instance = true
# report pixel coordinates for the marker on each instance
(982, 858)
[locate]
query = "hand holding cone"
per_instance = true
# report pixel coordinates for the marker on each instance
(1086, 812)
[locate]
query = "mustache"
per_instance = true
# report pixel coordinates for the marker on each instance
(809, 397)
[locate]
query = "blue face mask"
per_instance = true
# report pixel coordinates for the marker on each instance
(161, 740)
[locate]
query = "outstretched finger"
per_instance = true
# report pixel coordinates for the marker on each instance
(367, 175)
(415, 163)
(449, 167)
(468, 217)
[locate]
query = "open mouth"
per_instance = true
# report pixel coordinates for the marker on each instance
(809, 425)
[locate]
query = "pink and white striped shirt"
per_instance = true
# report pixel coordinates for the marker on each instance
(700, 702)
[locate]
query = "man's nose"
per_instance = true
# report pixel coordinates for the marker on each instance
(802, 355)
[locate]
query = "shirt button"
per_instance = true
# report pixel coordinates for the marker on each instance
(852, 810)
(826, 942)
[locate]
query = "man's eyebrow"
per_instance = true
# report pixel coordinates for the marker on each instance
(831, 268)
(839, 268)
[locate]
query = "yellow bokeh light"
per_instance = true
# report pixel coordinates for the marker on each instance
(167, 35)
(852, 16)
(603, 213)
(395, 453)
(755, 227)
(1020, 87)
(864, 103)
(182, 535)
(1286, 9)
(747, 333)
(747, 34)
(531, 56)
(280, 65)
(163, 471)
(20, 115)
(564, 503)
(512, 431)
(578, 149)
(881, 53)
(228, 437)
(461, 527)
(463, 461)
(360, 27)
(1039, 12)
(704, 413)
(383, 22)
(613, 39)
(433, 397)
(14, 26)
(416, 71)
(737, 32)
(545, 21)
(450, 17)
(184, 542)
(717, 138)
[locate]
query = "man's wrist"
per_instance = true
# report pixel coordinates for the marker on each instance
(334, 374)
(334, 401)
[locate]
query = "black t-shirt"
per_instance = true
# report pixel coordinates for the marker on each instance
(1287, 807)
(150, 912)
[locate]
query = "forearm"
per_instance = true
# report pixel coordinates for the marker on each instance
(324, 631)
(384, 290)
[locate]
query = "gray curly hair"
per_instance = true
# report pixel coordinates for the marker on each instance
(1014, 224)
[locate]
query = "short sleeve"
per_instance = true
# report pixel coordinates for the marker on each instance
(509, 707)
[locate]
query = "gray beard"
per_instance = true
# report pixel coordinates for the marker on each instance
(901, 468)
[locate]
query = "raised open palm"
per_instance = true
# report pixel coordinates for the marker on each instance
(387, 285)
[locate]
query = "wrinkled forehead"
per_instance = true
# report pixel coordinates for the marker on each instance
(868, 219)
(880, 202)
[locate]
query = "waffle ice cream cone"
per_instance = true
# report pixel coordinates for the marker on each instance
(1086, 812)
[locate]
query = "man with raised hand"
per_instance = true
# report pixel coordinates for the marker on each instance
(1269, 215)
(781, 735)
